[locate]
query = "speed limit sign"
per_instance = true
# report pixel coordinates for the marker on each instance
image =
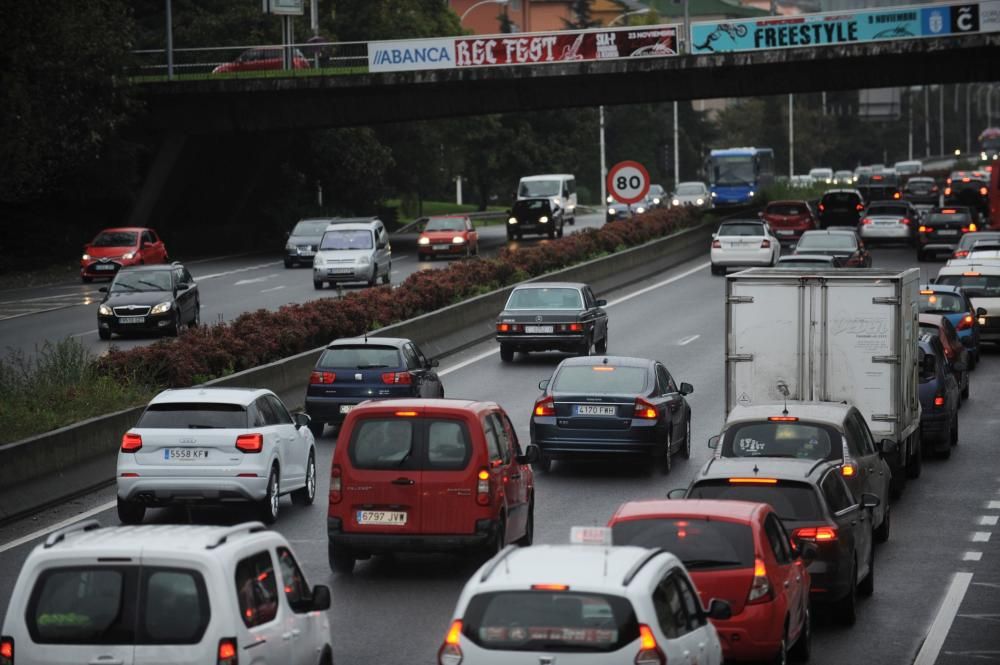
(628, 182)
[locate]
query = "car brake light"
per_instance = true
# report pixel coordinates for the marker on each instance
(905, 221)
(947, 191)
(966, 322)
(6, 650)
(783, 419)
(859, 207)
(934, 188)
(716, 244)
(965, 179)
(335, 484)
(406, 414)
(227, 652)
(645, 410)
(483, 487)
(450, 652)
(971, 274)
(319, 378)
(575, 327)
(822, 207)
(649, 650)
(926, 292)
(970, 227)
(131, 443)
(895, 195)
(753, 481)
(760, 589)
(550, 587)
(866, 221)
(960, 254)
(925, 229)
(848, 470)
(503, 327)
(250, 443)
(983, 191)
(397, 378)
(816, 533)
(949, 211)
(939, 400)
(545, 407)
(765, 244)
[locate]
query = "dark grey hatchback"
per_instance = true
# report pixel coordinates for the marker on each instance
(353, 370)
(611, 406)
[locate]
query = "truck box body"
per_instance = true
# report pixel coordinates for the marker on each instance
(828, 335)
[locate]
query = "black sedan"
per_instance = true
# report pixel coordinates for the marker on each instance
(609, 407)
(538, 215)
(552, 316)
(842, 244)
(149, 299)
(921, 190)
(618, 211)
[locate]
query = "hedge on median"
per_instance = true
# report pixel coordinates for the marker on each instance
(263, 336)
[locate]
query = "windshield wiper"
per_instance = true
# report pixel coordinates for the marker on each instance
(372, 366)
(124, 286)
(156, 287)
(203, 427)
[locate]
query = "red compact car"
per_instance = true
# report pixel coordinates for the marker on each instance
(789, 219)
(740, 552)
(113, 249)
(413, 475)
(258, 59)
(451, 235)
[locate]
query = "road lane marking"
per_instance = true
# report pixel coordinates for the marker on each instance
(989, 520)
(89, 332)
(255, 280)
(981, 536)
(469, 361)
(931, 647)
(272, 289)
(688, 340)
(237, 270)
(993, 505)
(34, 535)
(972, 556)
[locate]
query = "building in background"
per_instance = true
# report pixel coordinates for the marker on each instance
(524, 15)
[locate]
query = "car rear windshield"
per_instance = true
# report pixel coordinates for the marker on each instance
(445, 224)
(919, 184)
(782, 439)
(891, 210)
(841, 200)
(786, 209)
(118, 605)
(941, 303)
(970, 239)
(410, 443)
(827, 241)
(310, 228)
(792, 262)
(346, 240)
(360, 356)
(116, 239)
(550, 621)
(741, 229)
(975, 286)
(193, 415)
(699, 543)
(542, 298)
(609, 379)
(948, 218)
(791, 500)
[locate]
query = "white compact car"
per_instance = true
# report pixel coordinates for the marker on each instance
(211, 445)
(693, 193)
(981, 282)
(179, 594)
(743, 243)
(587, 603)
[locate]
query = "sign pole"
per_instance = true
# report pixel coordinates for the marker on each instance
(170, 40)
(677, 152)
(604, 167)
(791, 135)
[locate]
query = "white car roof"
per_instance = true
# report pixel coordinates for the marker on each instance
(241, 396)
(547, 176)
(353, 226)
(959, 266)
(831, 413)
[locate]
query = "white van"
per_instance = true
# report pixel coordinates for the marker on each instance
(559, 187)
(353, 252)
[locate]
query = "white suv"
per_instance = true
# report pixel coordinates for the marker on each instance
(582, 604)
(212, 445)
(157, 594)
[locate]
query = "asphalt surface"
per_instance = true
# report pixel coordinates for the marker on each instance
(228, 287)
(396, 609)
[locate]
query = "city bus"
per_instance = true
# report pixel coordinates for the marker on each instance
(735, 175)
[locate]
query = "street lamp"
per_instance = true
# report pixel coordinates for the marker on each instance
(482, 2)
(635, 12)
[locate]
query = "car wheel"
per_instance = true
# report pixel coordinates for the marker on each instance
(686, 450)
(602, 346)
(268, 506)
(317, 285)
(289, 263)
(846, 609)
(529, 529)
(965, 389)
(421, 257)
(468, 251)
(518, 235)
(307, 494)
(666, 460)
(510, 236)
(104, 334)
(954, 432)
(506, 353)
(781, 658)
(921, 255)
(551, 233)
(898, 482)
(86, 280)
(317, 427)
(497, 540)
(559, 233)
(584, 349)
(341, 559)
(803, 646)
(175, 329)
(867, 586)
(196, 319)
(718, 270)
(882, 532)
(387, 277)
(373, 280)
(916, 465)
(130, 512)
(973, 360)
(543, 464)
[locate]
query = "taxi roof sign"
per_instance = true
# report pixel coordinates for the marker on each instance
(590, 535)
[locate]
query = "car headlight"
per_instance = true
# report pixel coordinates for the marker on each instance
(611, 211)
(675, 202)
(640, 210)
(424, 241)
(128, 256)
(104, 310)
(982, 320)
(610, 199)
(318, 261)
(751, 193)
(700, 201)
(512, 220)
(161, 308)
(656, 201)
(543, 219)
(829, 181)
(364, 260)
(714, 195)
(86, 257)
(458, 240)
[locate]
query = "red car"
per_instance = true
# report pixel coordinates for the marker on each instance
(789, 219)
(451, 235)
(412, 475)
(258, 59)
(737, 551)
(113, 249)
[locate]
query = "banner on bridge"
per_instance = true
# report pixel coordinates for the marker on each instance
(524, 49)
(837, 28)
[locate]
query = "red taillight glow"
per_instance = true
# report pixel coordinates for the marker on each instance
(859, 207)
(509, 327)
(783, 419)
(397, 378)
(545, 407)
(760, 589)
(319, 378)
(753, 481)
(960, 253)
(925, 229)
(227, 652)
(649, 650)
(335, 484)
(550, 587)
(983, 191)
(131, 443)
(483, 487)
(450, 652)
(965, 322)
(645, 410)
(947, 192)
(905, 221)
(866, 220)
(816, 533)
(406, 414)
(938, 400)
(503, 327)
(895, 195)
(7, 651)
(716, 244)
(250, 443)
(575, 327)
(822, 207)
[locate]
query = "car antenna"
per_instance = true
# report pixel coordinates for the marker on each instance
(605, 360)
(783, 389)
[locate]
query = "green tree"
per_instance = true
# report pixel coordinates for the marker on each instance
(582, 18)
(364, 20)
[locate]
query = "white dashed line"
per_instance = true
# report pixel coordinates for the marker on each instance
(89, 332)
(688, 340)
(238, 270)
(993, 505)
(972, 556)
(981, 536)
(58, 525)
(271, 290)
(989, 520)
(945, 617)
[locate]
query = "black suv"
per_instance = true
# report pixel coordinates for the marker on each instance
(149, 299)
(968, 188)
(355, 369)
(535, 216)
(840, 207)
(942, 229)
(816, 506)
(920, 190)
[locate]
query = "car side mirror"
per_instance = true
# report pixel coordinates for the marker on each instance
(320, 598)
(719, 609)
(183, 287)
(980, 311)
(676, 493)
(807, 551)
(601, 302)
(887, 446)
(434, 363)
(531, 455)
(302, 420)
(713, 442)
(686, 388)
(543, 384)
(103, 289)
(870, 501)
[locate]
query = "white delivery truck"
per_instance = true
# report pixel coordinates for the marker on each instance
(560, 188)
(832, 336)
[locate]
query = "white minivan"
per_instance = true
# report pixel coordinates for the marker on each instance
(179, 594)
(560, 188)
(353, 252)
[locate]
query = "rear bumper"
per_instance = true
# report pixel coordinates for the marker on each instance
(790, 233)
(209, 489)
(873, 232)
(543, 342)
(753, 634)
(756, 257)
(561, 443)
(934, 427)
(830, 580)
(327, 409)
(378, 543)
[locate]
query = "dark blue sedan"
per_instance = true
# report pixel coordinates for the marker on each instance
(952, 303)
(939, 398)
(612, 406)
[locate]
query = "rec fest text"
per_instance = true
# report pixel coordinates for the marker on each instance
(516, 50)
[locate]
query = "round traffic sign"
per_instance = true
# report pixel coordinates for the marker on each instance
(628, 182)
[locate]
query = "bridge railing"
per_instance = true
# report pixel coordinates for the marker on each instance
(308, 59)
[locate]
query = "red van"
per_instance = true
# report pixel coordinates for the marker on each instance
(419, 475)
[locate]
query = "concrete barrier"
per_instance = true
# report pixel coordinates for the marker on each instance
(54, 466)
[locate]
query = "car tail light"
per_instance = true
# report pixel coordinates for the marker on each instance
(783, 419)
(716, 244)
(546, 406)
(397, 378)
(645, 410)
(228, 655)
(983, 191)
(819, 534)
(6, 650)
(503, 327)
(849, 469)
(131, 443)
(510, 327)
(450, 652)
(905, 221)
(939, 400)
(822, 207)
(969, 228)
(895, 195)
(483, 487)
(335, 484)
(947, 191)
(960, 254)
(550, 587)
(934, 188)
(250, 443)
(859, 207)
(649, 650)
(925, 229)
(965, 323)
(760, 589)
(866, 220)
(765, 244)
(574, 327)
(320, 378)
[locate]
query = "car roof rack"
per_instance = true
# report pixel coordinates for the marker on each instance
(634, 570)
(504, 553)
(60, 535)
(245, 527)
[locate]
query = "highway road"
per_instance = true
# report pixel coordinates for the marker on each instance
(228, 286)
(937, 575)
